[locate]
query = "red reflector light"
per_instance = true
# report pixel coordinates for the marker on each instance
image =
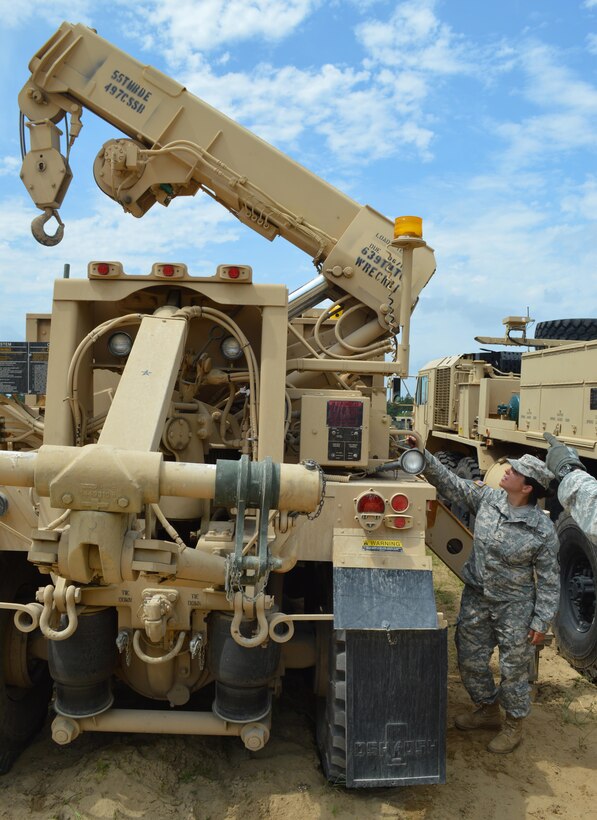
(371, 503)
(399, 522)
(103, 268)
(233, 272)
(399, 502)
(168, 270)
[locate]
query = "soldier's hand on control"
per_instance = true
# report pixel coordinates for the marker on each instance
(411, 441)
(560, 458)
(535, 638)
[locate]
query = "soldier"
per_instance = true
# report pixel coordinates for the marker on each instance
(511, 591)
(577, 492)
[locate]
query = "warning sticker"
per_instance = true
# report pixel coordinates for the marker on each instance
(382, 545)
(23, 367)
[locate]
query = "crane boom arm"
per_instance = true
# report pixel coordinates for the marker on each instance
(177, 144)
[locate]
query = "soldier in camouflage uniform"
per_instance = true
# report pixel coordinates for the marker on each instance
(577, 492)
(511, 591)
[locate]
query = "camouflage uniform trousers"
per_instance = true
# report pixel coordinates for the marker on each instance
(482, 625)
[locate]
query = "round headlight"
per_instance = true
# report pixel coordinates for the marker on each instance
(412, 461)
(120, 344)
(231, 348)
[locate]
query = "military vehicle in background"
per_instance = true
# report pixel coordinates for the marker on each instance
(475, 410)
(209, 492)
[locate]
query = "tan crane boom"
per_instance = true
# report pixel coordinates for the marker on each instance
(177, 144)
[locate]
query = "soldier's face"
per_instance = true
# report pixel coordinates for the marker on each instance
(512, 482)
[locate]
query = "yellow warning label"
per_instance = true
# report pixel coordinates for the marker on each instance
(382, 544)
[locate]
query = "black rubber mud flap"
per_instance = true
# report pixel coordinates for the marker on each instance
(395, 677)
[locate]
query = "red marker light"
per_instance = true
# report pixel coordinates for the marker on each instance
(103, 268)
(168, 270)
(371, 503)
(399, 522)
(399, 502)
(233, 272)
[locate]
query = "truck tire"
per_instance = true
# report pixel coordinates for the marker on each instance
(581, 330)
(23, 709)
(467, 468)
(331, 718)
(448, 459)
(575, 625)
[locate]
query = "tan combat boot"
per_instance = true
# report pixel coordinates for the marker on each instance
(485, 716)
(509, 738)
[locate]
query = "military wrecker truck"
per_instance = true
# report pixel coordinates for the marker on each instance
(475, 410)
(209, 492)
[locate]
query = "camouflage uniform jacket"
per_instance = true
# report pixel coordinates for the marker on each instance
(514, 555)
(577, 494)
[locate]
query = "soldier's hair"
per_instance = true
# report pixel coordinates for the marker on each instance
(538, 491)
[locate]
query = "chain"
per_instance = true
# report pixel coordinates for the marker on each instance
(123, 643)
(390, 316)
(197, 648)
(233, 582)
(310, 464)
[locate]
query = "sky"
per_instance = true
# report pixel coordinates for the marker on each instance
(480, 117)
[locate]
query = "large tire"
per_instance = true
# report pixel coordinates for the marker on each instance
(574, 330)
(331, 718)
(23, 709)
(450, 460)
(467, 468)
(575, 626)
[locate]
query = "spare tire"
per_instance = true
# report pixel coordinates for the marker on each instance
(574, 330)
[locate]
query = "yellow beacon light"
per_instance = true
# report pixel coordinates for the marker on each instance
(408, 226)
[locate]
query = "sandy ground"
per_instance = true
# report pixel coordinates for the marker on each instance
(552, 775)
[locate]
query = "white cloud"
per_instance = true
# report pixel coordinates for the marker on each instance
(9, 166)
(415, 39)
(552, 84)
(15, 15)
(564, 117)
(365, 111)
(582, 203)
(191, 26)
(590, 4)
(355, 114)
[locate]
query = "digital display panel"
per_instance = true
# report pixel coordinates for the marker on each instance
(345, 414)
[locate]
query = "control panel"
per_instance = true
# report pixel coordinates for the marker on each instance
(335, 431)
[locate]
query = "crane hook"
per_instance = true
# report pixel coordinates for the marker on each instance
(37, 227)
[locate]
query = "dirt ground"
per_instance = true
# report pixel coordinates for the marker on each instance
(552, 775)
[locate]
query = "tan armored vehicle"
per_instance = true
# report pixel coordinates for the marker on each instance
(474, 410)
(209, 491)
